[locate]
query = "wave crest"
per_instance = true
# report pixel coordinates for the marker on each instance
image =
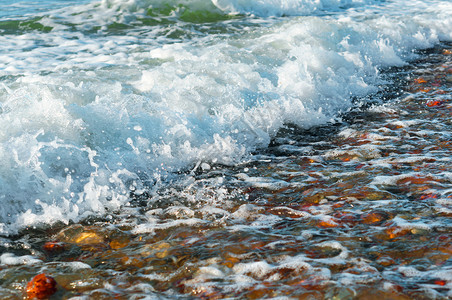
(266, 8)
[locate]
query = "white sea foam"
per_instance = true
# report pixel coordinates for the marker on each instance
(150, 227)
(285, 7)
(11, 259)
(90, 112)
(258, 269)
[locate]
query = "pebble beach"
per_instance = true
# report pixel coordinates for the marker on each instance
(225, 149)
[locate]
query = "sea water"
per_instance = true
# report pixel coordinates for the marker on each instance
(99, 99)
(226, 148)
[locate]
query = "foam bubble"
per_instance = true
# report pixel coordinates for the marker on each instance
(284, 7)
(258, 269)
(13, 260)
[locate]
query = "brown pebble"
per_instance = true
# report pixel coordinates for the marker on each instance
(53, 247)
(119, 243)
(89, 238)
(41, 287)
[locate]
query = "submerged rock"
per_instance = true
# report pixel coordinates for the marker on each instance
(41, 287)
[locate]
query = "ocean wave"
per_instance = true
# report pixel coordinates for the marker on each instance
(287, 7)
(88, 118)
(124, 14)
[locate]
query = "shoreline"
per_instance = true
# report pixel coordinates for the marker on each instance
(359, 214)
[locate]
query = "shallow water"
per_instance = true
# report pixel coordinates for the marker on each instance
(232, 149)
(355, 210)
(99, 99)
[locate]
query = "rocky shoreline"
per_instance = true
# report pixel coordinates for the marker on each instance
(362, 214)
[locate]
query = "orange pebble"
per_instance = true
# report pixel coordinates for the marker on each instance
(327, 224)
(440, 282)
(53, 246)
(429, 196)
(41, 287)
(372, 218)
(395, 232)
(119, 243)
(420, 80)
(415, 180)
(433, 103)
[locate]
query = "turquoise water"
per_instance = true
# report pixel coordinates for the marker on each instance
(13, 10)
